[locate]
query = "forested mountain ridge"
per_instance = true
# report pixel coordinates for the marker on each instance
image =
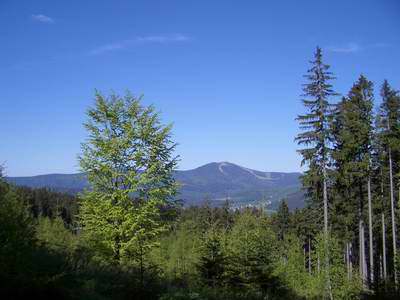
(70, 183)
(216, 182)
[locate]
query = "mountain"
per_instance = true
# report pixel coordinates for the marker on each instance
(69, 183)
(243, 186)
(215, 182)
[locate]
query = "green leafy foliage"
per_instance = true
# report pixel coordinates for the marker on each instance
(290, 266)
(129, 162)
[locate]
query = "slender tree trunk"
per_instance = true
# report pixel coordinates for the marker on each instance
(365, 273)
(384, 266)
(361, 233)
(318, 267)
(350, 259)
(347, 259)
(309, 255)
(392, 206)
(360, 248)
(360, 263)
(371, 247)
(325, 198)
(384, 247)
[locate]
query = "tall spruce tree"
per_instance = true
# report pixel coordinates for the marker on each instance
(316, 132)
(282, 219)
(353, 142)
(343, 212)
(380, 188)
(389, 136)
(316, 139)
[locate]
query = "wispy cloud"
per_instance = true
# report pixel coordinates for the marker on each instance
(348, 48)
(42, 19)
(354, 47)
(152, 39)
(379, 45)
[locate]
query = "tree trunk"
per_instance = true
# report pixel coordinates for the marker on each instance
(371, 248)
(392, 206)
(325, 199)
(383, 247)
(360, 262)
(365, 273)
(350, 259)
(347, 260)
(384, 266)
(362, 266)
(309, 255)
(361, 233)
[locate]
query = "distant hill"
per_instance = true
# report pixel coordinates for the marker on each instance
(69, 183)
(214, 182)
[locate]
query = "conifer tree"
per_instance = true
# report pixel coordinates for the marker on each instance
(17, 242)
(353, 141)
(316, 132)
(212, 262)
(380, 188)
(389, 134)
(282, 219)
(316, 137)
(251, 253)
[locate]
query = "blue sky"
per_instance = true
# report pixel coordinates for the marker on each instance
(228, 74)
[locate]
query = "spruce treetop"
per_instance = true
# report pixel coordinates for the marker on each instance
(315, 123)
